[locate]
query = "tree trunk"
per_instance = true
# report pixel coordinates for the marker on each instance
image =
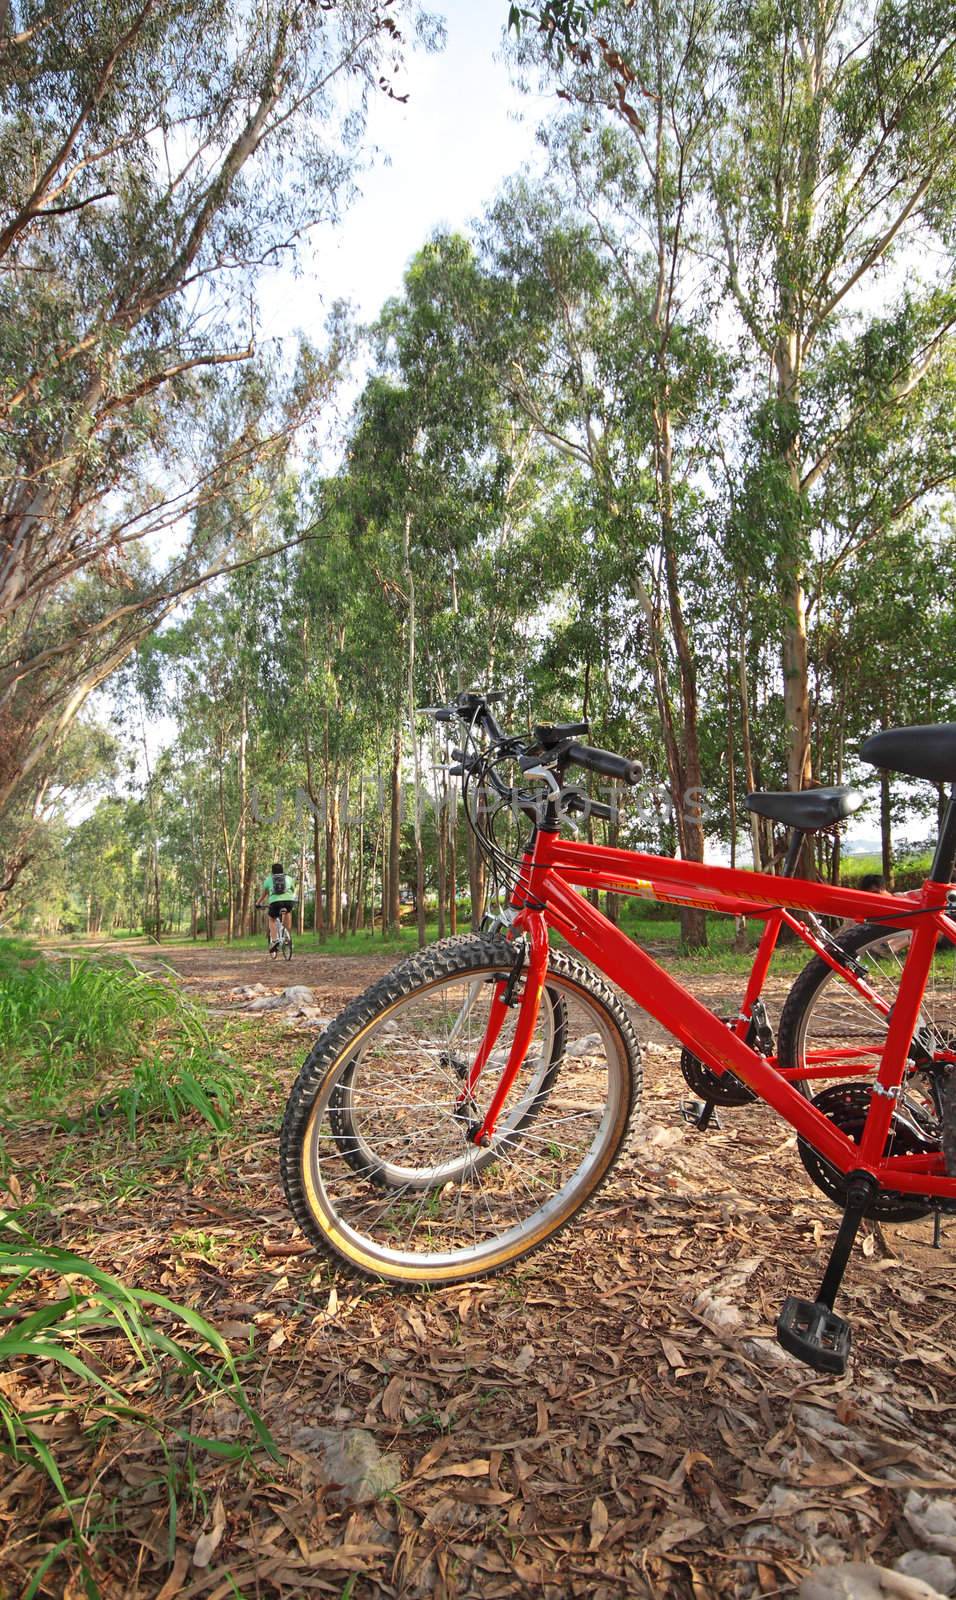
(476, 881)
(226, 842)
(794, 658)
(612, 902)
(731, 761)
(345, 858)
(442, 850)
(691, 797)
(740, 923)
(241, 872)
(393, 917)
(760, 863)
(453, 868)
(886, 830)
(416, 765)
(300, 907)
(333, 903)
(318, 917)
(158, 899)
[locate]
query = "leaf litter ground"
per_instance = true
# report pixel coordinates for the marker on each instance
(611, 1418)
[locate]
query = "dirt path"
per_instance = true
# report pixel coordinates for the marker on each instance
(611, 1419)
(209, 973)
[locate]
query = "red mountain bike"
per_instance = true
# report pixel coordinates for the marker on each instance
(465, 1107)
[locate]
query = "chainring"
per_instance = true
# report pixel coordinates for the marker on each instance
(723, 1089)
(912, 1132)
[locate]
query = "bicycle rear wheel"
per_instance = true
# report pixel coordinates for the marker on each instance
(377, 1160)
(828, 1027)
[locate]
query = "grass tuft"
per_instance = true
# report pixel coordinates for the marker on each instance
(67, 1023)
(105, 1339)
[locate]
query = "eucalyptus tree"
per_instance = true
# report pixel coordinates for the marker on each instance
(834, 176)
(831, 209)
(31, 829)
(882, 655)
(436, 473)
(155, 157)
(100, 859)
(612, 362)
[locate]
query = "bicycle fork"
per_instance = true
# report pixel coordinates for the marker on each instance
(482, 1132)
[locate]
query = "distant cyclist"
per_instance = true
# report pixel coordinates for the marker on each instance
(280, 892)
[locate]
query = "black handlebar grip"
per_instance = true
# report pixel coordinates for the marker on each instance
(605, 762)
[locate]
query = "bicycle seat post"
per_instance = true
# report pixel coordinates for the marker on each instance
(794, 852)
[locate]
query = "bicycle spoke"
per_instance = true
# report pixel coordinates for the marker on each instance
(390, 1146)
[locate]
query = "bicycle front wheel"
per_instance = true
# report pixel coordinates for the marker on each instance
(378, 1162)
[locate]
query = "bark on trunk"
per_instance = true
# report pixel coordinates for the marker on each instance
(416, 766)
(747, 751)
(453, 870)
(300, 907)
(886, 831)
(794, 657)
(393, 913)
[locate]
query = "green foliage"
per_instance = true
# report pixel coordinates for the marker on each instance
(153, 160)
(63, 1020)
(567, 467)
(109, 1343)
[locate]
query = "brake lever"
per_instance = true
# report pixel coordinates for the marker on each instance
(545, 775)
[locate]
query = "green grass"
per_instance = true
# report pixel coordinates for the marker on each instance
(650, 924)
(15, 949)
(67, 1022)
(61, 1312)
(112, 1058)
(852, 867)
(363, 943)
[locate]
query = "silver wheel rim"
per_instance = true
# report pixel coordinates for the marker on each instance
(467, 1210)
(837, 1015)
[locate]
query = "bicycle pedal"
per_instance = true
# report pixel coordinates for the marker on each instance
(814, 1334)
(700, 1114)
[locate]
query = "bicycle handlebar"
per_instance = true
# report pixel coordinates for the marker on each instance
(605, 762)
(555, 745)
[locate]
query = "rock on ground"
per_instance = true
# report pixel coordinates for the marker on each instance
(858, 1580)
(936, 1570)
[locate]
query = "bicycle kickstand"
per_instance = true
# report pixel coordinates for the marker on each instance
(811, 1329)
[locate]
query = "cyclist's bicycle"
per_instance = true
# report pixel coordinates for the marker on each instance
(282, 944)
(464, 1108)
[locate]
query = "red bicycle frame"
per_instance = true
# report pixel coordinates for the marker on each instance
(547, 896)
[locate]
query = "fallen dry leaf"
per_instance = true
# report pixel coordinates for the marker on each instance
(208, 1543)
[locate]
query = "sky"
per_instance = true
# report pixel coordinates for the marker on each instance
(464, 129)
